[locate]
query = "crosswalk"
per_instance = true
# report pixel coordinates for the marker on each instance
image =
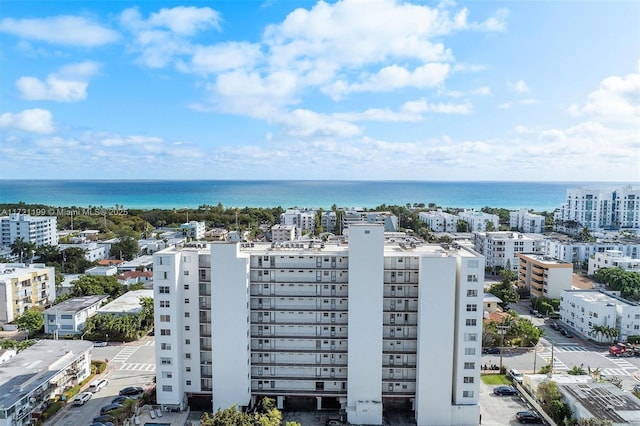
(623, 367)
(124, 354)
(557, 364)
(138, 367)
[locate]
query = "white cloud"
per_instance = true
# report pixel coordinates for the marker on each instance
(617, 99)
(305, 123)
(224, 57)
(62, 30)
(69, 84)
(30, 120)
(421, 106)
(519, 87)
(482, 91)
(186, 21)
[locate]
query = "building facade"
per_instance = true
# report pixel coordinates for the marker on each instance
(38, 374)
(40, 230)
(502, 248)
(439, 221)
(193, 229)
(612, 259)
(25, 286)
(69, 317)
(544, 276)
(524, 221)
(584, 309)
(234, 323)
(576, 252)
(304, 220)
(280, 233)
(480, 221)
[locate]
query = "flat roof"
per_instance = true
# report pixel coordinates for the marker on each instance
(18, 270)
(544, 259)
(605, 401)
(596, 297)
(128, 303)
(36, 365)
(75, 304)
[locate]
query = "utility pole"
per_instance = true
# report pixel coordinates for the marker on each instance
(550, 374)
(502, 330)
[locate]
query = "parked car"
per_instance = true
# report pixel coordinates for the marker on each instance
(98, 384)
(515, 375)
(120, 399)
(528, 417)
(333, 422)
(99, 344)
(132, 391)
(82, 398)
(110, 407)
(505, 390)
(636, 388)
(103, 418)
(493, 351)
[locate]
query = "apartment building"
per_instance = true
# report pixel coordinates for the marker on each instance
(543, 275)
(575, 252)
(524, 221)
(480, 221)
(601, 208)
(328, 221)
(387, 219)
(501, 247)
(304, 220)
(280, 233)
(24, 286)
(439, 221)
(69, 317)
(37, 375)
(353, 325)
(193, 229)
(584, 309)
(40, 230)
(612, 259)
(92, 251)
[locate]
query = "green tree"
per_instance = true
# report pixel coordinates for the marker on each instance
(23, 249)
(89, 285)
(146, 314)
(592, 421)
(462, 226)
(551, 401)
(126, 249)
(30, 320)
(577, 371)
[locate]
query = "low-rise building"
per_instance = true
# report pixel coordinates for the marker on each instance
(304, 220)
(280, 233)
(439, 221)
(503, 246)
(102, 271)
(387, 219)
(38, 374)
(544, 276)
(92, 251)
(25, 286)
(193, 229)
(602, 401)
(612, 259)
(582, 310)
(69, 317)
(140, 263)
(524, 221)
(480, 221)
(127, 304)
(579, 252)
(135, 277)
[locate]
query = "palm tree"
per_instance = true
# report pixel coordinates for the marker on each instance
(599, 330)
(18, 247)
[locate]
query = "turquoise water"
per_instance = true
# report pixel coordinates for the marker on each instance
(539, 196)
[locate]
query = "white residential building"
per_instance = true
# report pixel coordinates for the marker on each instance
(92, 251)
(601, 208)
(439, 221)
(544, 276)
(500, 247)
(479, 221)
(524, 221)
(25, 286)
(236, 322)
(304, 220)
(40, 230)
(584, 309)
(69, 317)
(386, 219)
(39, 374)
(574, 252)
(102, 271)
(328, 221)
(281, 233)
(612, 259)
(193, 229)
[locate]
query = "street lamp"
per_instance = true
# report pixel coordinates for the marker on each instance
(502, 330)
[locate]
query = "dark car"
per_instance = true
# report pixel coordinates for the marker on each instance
(528, 417)
(105, 418)
(333, 422)
(493, 351)
(505, 390)
(110, 407)
(131, 391)
(120, 399)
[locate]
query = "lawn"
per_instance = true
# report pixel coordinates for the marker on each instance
(495, 379)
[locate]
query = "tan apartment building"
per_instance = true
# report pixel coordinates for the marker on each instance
(544, 276)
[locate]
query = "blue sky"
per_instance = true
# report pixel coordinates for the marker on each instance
(367, 90)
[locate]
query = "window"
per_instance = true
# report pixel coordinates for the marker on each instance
(167, 375)
(186, 300)
(165, 318)
(163, 289)
(165, 361)
(187, 369)
(472, 278)
(188, 382)
(469, 351)
(187, 356)
(186, 286)
(472, 293)
(468, 379)
(469, 365)
(186, 272)
(165, 304)
(471, 322)
(187, 327)
(165, 346)
(472, 308)
(187, 314)
(187, 341)
(165, 332)
(467, 394)
(470, 337)
(165, 275)
(167, 388)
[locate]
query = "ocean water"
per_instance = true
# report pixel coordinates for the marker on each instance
(540, 196)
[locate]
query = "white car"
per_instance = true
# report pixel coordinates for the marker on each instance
(99, 344)
(82, 398)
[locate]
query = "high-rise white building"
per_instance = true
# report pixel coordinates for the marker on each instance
(524, 221)
(40, 230)
(439, 221)
(503, 246)
(355, 325)
(601, 209)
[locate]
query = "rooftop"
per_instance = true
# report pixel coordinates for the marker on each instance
(36, 365)
(128, 303)
(598, 297)
(544, 259)
(16, 270)
(605, 402)
(76, 304)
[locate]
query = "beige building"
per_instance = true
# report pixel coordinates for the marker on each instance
(23, 286)
(543, 275)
